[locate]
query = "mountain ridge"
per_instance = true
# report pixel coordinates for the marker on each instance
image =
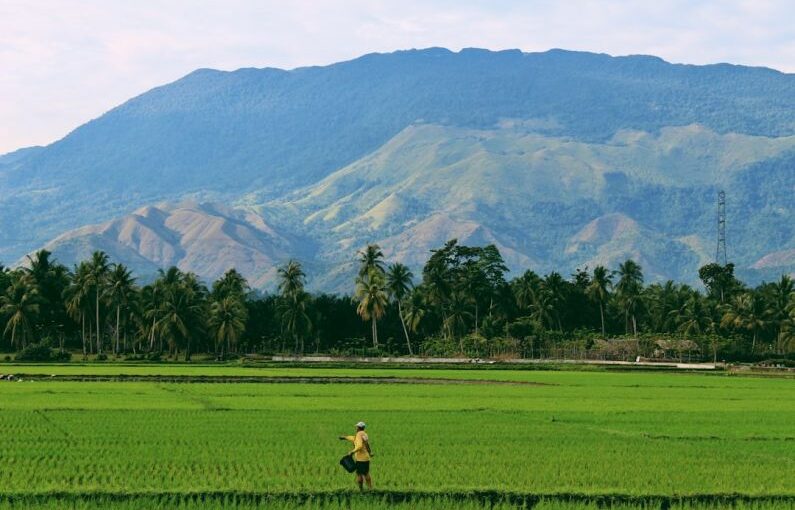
(601, 135)
(204, 238)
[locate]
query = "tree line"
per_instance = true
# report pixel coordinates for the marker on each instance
(462, 303)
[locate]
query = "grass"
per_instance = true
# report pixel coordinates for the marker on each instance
(645, 438)
(372, 502)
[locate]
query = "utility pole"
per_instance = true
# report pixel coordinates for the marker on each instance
(720, 252)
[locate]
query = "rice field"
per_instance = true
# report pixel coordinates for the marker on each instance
(375, 502)
(549, 439)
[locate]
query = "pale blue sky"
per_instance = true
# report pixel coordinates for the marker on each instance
(63, 62)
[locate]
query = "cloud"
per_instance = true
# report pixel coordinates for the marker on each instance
(63, 62)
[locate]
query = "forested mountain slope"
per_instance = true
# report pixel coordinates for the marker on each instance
(526, 150)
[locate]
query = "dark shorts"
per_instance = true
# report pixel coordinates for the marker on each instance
(363, 468)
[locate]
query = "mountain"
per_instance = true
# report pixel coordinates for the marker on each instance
(17, 155)
(530, 151)
(554, 202)
(205, 238)
(613, 238)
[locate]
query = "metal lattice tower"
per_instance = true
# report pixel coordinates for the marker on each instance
(720, 252)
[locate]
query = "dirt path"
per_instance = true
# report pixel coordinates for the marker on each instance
(272, 379)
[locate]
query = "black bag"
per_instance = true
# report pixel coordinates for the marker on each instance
(348, 463)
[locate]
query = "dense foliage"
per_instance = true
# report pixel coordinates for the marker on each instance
(463, 304)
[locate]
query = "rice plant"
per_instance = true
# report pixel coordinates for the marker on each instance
(586, 439)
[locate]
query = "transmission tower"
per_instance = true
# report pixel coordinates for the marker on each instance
(720, 252)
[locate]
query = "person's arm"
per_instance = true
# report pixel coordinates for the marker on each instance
(367, 446)
(352, 439)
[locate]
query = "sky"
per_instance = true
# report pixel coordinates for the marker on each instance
(64, 62)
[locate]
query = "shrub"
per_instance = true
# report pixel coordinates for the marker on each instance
(474, 346)
(41, 353)
(772, 362)
(440, 347)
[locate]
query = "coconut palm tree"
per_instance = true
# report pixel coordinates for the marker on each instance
(197, 295)
(291, 278)
(39, 264)
(77, 296)
(232, 284)
(437, 288)
(294, 303)
(294, 313)
(415, 310)
(628, 290)
(20, 306)
(694, 318)
(526, 289)
(148, 307)
(543, 310)
(153, 297)
(51, 279)
(398, 285)
(182, 314)
(787, 337)
(779, 296)
(473, 282)
(664, 304)
(371, 259)
(97, 277)
(138, 324)
(227, 323)
(554, 286)
(372, 297)
(598, 291)
(746, 312)
(119, 291)
(458, 315)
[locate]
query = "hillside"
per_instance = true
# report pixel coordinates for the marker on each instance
(556, 203)
(521, 149)
(204, 238)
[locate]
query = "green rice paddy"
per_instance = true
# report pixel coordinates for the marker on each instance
(553, 439)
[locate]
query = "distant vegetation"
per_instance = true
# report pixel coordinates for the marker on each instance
(460, 304)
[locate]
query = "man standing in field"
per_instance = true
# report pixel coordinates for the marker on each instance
(361, 454)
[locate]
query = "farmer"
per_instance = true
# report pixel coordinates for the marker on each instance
(361, 454)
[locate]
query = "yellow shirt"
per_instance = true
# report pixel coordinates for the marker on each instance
(360, 453)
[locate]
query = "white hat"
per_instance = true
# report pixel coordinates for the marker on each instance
(360, 425)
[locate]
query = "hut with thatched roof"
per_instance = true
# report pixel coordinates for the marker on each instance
(616, 349)
(673, 348)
